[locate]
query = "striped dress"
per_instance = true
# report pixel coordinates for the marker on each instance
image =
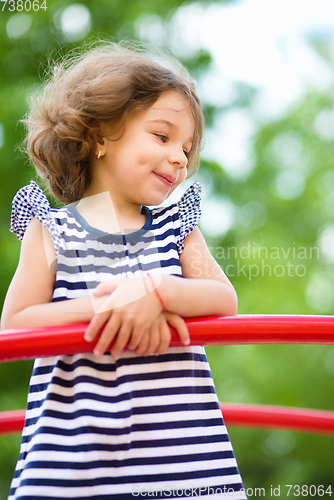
(135, 427)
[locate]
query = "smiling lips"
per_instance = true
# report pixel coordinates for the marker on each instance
(166, 179)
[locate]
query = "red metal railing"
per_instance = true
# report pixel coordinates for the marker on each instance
(261, 416)
(242, 329)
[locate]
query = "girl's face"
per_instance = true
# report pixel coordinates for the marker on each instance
(147, 163)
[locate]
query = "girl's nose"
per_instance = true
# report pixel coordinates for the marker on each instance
(178, 156)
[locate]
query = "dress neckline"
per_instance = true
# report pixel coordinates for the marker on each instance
(116, 237)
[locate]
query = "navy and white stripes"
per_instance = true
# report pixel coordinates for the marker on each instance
(106, 429)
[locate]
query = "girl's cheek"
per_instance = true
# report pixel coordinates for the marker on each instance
(183, 174)
(182, 177)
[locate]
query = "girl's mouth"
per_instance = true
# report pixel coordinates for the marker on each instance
(167, 180)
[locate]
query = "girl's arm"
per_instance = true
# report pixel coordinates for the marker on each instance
(203, 290)
(27, 302)
(206, 290)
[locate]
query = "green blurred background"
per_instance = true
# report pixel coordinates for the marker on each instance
(268, 197)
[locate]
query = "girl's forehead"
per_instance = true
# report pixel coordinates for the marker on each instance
(172, 107)
(171, 101)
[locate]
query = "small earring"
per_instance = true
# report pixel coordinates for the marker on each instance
(99, 155)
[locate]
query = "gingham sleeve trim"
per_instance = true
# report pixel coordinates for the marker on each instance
(189, 212)
(29, 202)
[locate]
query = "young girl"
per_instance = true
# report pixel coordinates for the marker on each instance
(112, 133)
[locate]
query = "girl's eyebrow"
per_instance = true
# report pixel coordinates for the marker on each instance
(162, 120)
(167, 122)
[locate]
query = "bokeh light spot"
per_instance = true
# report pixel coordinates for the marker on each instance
(74, 21)
(279, 443)
(290, 184)
(319, 293)
(2, 135)
(217, 217)
(18, 25)
(326, 242)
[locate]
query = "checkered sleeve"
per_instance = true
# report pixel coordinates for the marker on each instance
(29, 202)
(189, 212)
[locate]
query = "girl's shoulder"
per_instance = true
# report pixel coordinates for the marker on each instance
(185, 214)
(190, 200)
(30, 201)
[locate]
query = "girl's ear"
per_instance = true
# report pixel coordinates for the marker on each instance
(100, 149)
(98, 135)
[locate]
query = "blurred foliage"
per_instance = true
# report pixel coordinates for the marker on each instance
(272, 252)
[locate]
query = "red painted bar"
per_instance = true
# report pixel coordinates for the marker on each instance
(243, 329)
(12, 422)
(260, 416)
(279, 417)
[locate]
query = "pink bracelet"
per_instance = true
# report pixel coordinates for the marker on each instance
(156, 292)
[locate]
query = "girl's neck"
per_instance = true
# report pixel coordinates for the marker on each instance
(103, 213)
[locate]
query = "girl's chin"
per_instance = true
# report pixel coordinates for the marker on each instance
(154, 201)
(158, 196)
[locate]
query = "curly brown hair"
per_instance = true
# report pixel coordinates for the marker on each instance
(100, 87)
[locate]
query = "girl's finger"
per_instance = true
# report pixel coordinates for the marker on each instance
(101, 303)
(180, 326)
(108, 334)
(154, 338)
(123, 336)
(165, 338)
(136, 336)
(95, 326)
(143, 344)
(104, 288)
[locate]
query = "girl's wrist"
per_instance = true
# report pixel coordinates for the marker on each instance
(162, 287)
(154, 286)
(166, 289)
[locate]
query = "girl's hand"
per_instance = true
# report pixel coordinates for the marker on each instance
(126, 309)
(157, 339)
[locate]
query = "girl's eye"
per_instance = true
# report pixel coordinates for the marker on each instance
(162, 137)
(186, 153)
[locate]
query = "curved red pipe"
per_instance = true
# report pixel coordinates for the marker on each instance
(243, 329)
(279, 417)
(12, 421)
(261, 416)
(214, 330)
